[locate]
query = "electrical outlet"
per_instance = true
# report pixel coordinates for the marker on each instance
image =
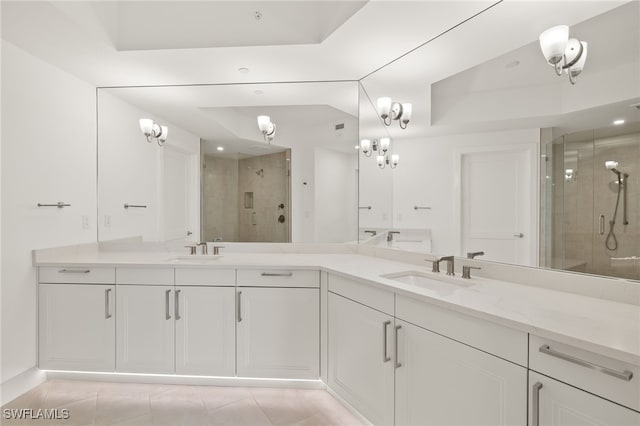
(85, 222)
(107, 221)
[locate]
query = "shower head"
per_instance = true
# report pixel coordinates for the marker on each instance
(611, 165)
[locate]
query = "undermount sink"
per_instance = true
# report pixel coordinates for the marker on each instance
(425, 280)
(196, 257)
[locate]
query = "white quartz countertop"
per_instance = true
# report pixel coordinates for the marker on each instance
(602, 326)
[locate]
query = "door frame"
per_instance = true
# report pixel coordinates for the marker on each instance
(532, 150)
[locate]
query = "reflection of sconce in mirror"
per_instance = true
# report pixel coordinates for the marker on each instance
(153, 131)
(267, 128)
(383, 160)
(389, 110)
(563, 53)
(569, 175)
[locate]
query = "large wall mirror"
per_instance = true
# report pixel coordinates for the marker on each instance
(217, 177)
(503, 156)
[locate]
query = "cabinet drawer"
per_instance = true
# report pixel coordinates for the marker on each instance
(278, 278)
(489, 337)
(206, 277)
(145, 276)
(368, 295)
(594, 373)
(72, 275)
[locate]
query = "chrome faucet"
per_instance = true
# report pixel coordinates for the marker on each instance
(192, 249)
(466, 271)
(435, 264)
(473, 254)
(216, 250)
(204, 248)
(450, 264)
(390, 235)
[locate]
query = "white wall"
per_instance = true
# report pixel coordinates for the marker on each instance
(48, 155)
(425, 177)
(376, 190)
(132, 171)
(335, 196)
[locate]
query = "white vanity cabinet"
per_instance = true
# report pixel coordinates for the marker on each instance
(278, 328)
(554, 403)
(76, 327)
(205, 329)
(440, 381)
(361, 359)
(145, 320)
(76, 318)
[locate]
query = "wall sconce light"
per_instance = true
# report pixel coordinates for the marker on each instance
(153, 131)
(569, 175)
(267, 128)
(383, 161)
(389, 110)
(381, 146)
(563, 53)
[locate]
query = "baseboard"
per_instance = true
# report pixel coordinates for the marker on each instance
(349, 407)
(173, 379)
(22, 383)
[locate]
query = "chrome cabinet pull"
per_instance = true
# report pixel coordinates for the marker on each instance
(385, 355)
(239, 307)
(276, 274)
(107, 309)
(535, 402)
(398, 327)
(137, 206)
(623, 375)
(59, 204)
(166, 304)
(421, 208)
(177, 301)
(364, 207)
(74, 271)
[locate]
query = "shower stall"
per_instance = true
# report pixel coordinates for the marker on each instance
(591, 202)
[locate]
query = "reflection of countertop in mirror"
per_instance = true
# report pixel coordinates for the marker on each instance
(603, 326)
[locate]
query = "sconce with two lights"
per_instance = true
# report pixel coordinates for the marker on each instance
(267, 127)
(153, 131)
(389, 111)
(565, 54)
(382, 147)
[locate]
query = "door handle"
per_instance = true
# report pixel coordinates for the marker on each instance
(166, 304)
(177, 302)
(398, 327)
(519, 235)
(385, 355)
(107, 308)
(535, 402)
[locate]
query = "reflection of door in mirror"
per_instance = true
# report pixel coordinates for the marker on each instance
(245, 198)
(178, 193)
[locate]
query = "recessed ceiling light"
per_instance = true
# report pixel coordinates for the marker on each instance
(618, 122)
(220, 148)
(512, 64)
(243, 70)
(258, 92)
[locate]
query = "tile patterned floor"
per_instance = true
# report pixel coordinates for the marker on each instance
(103, 403)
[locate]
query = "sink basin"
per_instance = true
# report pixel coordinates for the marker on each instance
(425, 280)
(196, 257)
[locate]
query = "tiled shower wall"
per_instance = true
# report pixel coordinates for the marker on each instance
(578, 240)
(226, 180)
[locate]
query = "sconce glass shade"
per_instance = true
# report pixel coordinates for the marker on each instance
(384, 106)
(553, 43)
(407, 110)
(380, 160)
(163, 134)
(146, 126)
(384, 144)
(365, 144)
(263, 123)
(395, 159)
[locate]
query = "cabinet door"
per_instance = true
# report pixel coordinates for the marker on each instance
(76, 327)
(559, 404)
(144, 329)
(360, 358)
(205, 331)
(278, 332)
(441, 381)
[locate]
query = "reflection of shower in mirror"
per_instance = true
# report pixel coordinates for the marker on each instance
(611, 241)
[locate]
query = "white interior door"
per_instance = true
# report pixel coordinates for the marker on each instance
(178, 194)
(498, 204)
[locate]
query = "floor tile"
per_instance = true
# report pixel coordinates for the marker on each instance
(241, 413)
